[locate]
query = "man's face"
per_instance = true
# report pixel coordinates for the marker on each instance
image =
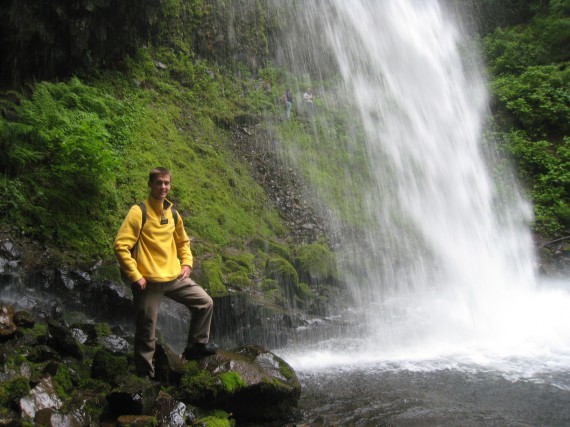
(160, 187)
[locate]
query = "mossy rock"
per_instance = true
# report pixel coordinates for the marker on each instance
(304, 291)
(272, 248)
(217, 418)
(250, 382)
(239, 279)
(232, 266)
(282, 271)
(196, 385)
(269, 284)
(108, 366)
(317, 261)
(239, 260)
(12, 391)
(212, 278)
(276, 296)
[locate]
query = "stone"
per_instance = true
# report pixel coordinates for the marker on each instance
(134, 396)
(24, 319)
(136, 421)
(168, 365)
(63, 341)
(42, 396)
(49, 417)
(115, 344)
(107, 366)
(170, 412)
(256, 384)
(7, 325)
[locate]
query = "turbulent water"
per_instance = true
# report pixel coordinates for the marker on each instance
(451, 325)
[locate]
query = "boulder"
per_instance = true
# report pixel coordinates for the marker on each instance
(42, 396)
(250, 382)
(170, 412)
(168, 365)
(63, 340)
(7, 325)
(133, 396)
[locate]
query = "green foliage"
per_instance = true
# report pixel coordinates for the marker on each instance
(61, 157)
(99, 140)
(531, 81)
(537, 99)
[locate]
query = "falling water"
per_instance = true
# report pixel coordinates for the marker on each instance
(444, 275)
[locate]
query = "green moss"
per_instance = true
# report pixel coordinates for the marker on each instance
(317, 260)
(272, 248)
(39, 330)
(212, 277)
(282, 271)
(12, 391)
(239, 279)
(304, 291)
(196, 385)
(231, 381)
(269, 284)
(216, 419)
(102, 330)
(108, 366)
(63, 382)
(286, 371)
(239, 260)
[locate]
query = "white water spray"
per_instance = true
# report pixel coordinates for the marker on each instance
(447, 273)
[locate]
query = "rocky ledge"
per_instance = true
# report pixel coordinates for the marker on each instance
(55, 374)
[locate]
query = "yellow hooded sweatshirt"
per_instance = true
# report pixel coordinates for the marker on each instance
(162, 248)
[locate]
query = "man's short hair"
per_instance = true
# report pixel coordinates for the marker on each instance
(157, 172)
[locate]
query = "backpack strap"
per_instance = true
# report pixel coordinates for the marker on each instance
(143, 209)
(174, 215)
(135, 247)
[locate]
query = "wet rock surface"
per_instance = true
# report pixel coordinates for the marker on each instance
(295, 201)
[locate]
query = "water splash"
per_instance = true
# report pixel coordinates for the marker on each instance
(445, 271)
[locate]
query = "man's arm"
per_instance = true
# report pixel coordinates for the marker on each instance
(183, 247)
(126, 238)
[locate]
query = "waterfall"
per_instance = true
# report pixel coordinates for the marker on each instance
(445, 267)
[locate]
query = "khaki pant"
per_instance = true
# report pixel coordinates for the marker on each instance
(147, 306)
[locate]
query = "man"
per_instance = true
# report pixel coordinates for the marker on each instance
(156, 258)
(308, 98)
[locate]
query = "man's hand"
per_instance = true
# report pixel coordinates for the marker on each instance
(140, 284)
(186, 270)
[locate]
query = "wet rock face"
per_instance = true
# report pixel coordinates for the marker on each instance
(284, 187)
